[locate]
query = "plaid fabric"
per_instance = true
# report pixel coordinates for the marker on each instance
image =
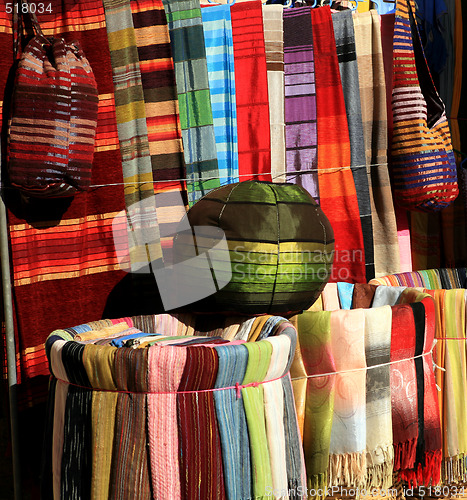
(217, 26)
(338, 198)
(191, 74)
(132, 134)
(300, 99)
(162, 116)
(348, 67)
(423, 163)
(251, 85)
(274, 45)
(55, 115)
(64, 250)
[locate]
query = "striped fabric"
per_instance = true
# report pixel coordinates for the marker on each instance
(132, 135)
(130, 374)
(232, 422)
(338, 197)
(162, 115)
(423, 163)
(369, 50)
(217, 26)
(191, 75)
(348, 67)
(274, 45)
(54, 113)
(251, 86)
(300, 100)
(166, 367)
(43, 267)
(430, 279)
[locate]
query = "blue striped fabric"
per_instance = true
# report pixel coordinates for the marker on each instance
(217, 26)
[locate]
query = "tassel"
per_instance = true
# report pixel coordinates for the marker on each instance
(348, 469)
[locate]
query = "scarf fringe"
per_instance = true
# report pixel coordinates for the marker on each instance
(454, 470)
(348, 469)
(405, 454)
(428, 475)
(380, 476)
(318, 482)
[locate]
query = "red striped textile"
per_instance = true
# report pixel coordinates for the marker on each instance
(251, 87)
(64, 262)
(199, 439)
(338, 196)
(53, 120)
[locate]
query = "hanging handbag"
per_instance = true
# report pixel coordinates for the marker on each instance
(423, 164)
(53, 117)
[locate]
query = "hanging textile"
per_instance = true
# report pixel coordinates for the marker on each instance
(251, 86)
(98, 362)
(379, 439)
(232, 422)
(374, 116)
(300, 100)
(162, 115)
(189, 56)
(274, 45)
(314, 356)
(197, 428)
(217, 26)
(166, 367)
(348, 67)
(338, 197)
(132, 134)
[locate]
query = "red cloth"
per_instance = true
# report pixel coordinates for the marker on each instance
(403, 387)
(338, 196)
(201, 471)
(251, 91)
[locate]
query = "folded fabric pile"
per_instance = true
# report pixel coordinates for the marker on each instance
(179, 412)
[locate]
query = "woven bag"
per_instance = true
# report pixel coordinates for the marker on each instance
(280, 244)
(423, 164)
(53, 118)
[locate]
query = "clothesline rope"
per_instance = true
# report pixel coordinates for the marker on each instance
(237, 387)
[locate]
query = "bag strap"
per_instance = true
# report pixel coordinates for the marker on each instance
(19, 17)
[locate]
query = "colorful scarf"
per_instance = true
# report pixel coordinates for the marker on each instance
(338, 197)
(345, 291)
(130, 374)
(363, 295)
(165, 365)
(232, 422)
(251, 86)
(374, 116)
(191, 74)
(274, 410)
(217, 27)
(379, 448)
(76, 469)
(162, 116)
(259, 356)
(132, 135)
(98, 362)
(274, 45)
(347, 459)
(200, 453)
(314, 356)
(348, 67)
(300, 100)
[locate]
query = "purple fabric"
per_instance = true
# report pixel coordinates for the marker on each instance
(300, 100)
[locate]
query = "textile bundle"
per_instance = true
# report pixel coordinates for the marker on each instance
(173, 416)
(365, 389)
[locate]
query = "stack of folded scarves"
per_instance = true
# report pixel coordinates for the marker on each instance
(182, 412)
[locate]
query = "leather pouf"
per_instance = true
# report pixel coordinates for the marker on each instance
(280, 247)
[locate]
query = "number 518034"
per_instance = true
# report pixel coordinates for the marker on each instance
(26, 8)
